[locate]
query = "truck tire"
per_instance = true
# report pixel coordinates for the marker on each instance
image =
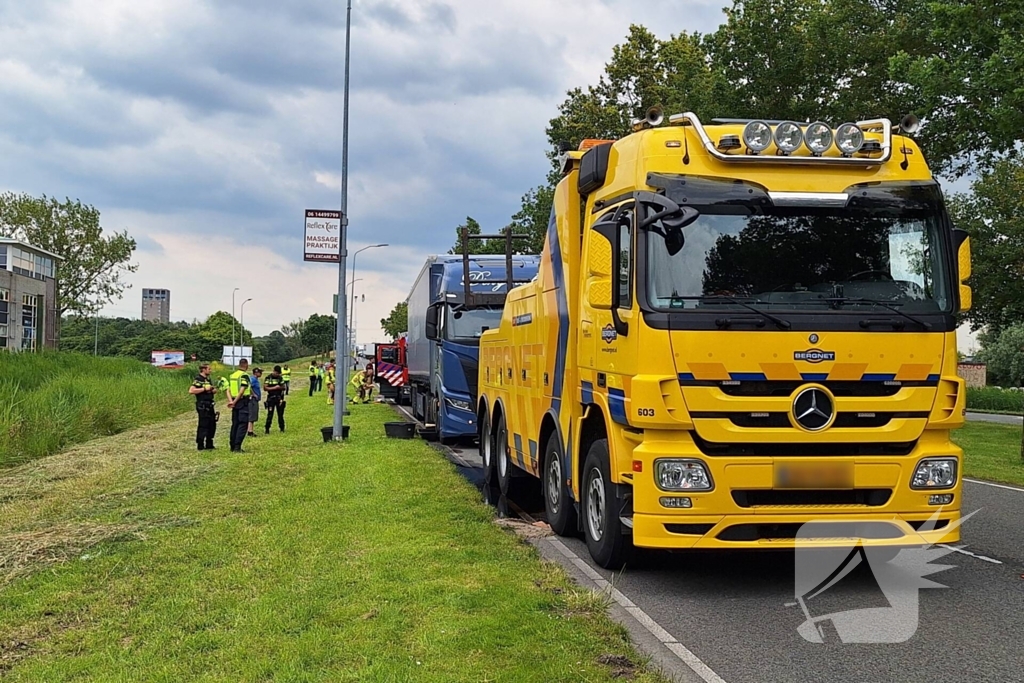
(558, 506)
(603, 529)
(503, 459)
(487, 452)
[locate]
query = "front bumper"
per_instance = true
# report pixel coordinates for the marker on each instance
(727, 516)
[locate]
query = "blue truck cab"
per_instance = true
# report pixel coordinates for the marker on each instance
(444, 335)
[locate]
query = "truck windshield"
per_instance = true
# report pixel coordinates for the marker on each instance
(470, 324)
(804, 259)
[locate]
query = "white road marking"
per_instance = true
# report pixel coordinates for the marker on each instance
(664, 637)
(998, 486)
(968, 552)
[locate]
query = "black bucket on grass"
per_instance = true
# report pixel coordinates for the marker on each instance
(328, 433)
(400, 430)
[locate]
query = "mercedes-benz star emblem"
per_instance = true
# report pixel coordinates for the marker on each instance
(813, 409)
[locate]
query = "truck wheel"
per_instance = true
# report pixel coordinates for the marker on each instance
(504, 459)
(487, 452)
(607, 543)
(561, 513)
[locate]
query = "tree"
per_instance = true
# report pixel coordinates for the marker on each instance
(969, 79)
(992, 214)
(1003, 354)
(476, 246)
(533, 219)
(319, 333)
(93, 263)
(397, 321)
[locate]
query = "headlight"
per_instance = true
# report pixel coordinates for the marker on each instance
(935, 473)
(757, 136)
(788, 136)
(456, 403)
(818, 137)
(682, 475)
(849, 138)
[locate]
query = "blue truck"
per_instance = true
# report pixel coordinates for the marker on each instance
(446, 319)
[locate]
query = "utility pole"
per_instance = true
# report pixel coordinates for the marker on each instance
(341, 339)
(233, 362)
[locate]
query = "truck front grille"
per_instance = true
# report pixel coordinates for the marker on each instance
(713, 449)
(807, 498)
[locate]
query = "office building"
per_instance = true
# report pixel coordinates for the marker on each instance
(156, 305)
(28, 297)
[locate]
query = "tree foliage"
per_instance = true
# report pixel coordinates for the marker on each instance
(319, 333)
(93, 262)
(993, 214)
(1003, 353)
(397, 322)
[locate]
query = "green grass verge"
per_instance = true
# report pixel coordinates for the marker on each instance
(991, 452)
(49, 401)
(995, 400)
(298, 561)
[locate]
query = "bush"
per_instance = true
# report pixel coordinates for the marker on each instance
(996, 400)
(49, 401)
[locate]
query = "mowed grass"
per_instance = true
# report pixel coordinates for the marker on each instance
(49, 401)
(298, 561)
(991, 452)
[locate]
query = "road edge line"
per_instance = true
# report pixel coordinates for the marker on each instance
(998, 486)
(680, 651)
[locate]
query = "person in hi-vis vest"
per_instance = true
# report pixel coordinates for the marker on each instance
(239, 403)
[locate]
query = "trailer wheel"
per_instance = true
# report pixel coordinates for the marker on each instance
(487, 451)
(561, 513)
(504, 459)
(607, 543)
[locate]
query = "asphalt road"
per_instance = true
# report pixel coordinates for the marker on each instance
(735, 611)
(992, 417)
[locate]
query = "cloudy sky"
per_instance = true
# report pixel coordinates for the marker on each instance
(206, 127)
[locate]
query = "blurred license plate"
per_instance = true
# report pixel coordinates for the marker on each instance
(813, 475)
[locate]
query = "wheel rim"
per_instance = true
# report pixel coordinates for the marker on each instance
(486, 445)
(595, 506)
(554, 491)
(503, 453)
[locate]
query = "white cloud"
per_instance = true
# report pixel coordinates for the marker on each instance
(205, 127)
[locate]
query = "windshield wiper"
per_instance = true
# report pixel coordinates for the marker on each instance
(850, 300)
(779, 322)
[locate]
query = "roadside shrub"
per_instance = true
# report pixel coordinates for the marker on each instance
(996, 400)
(50, 401)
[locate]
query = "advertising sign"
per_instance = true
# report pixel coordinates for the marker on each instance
(233, 354)
(170, 360)
(323, 236)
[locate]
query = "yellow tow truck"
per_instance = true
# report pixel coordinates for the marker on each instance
(742, 335)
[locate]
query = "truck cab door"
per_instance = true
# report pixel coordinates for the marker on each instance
(609, 324)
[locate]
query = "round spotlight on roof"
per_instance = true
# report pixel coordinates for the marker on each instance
(818, 137)
(788, 137)
(849, 138)
(757, 136)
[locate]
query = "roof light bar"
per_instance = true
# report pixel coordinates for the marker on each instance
(816, 136)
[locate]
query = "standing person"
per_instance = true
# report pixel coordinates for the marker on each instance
(238, 401)
(204, 389)
(331, 378)
(312, 377)
(275, 386)
(320, 376)
(286, 376)
(254, 400)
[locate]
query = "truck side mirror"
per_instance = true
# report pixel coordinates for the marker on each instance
(962, 242)
(432, 320)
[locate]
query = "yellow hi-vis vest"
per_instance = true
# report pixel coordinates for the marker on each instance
(239, 382)
(286, 374)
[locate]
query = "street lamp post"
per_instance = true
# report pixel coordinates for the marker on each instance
(241, 323)
(351, 310)
(340, 339)
(351, 325)
(233, 326)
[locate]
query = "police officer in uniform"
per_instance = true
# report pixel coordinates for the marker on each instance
(312, 378)
(286, 375)
(275, 388)
(238, 401)
(204, 389)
